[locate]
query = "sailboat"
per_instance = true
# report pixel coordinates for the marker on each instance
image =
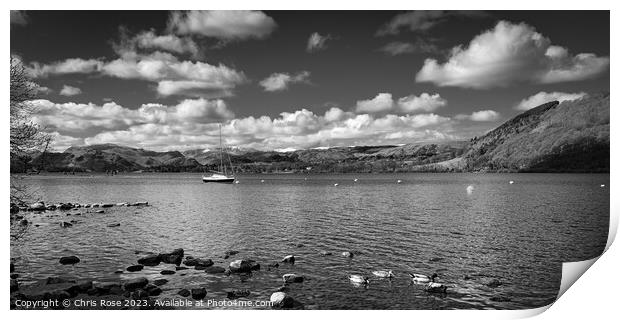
(222, 175)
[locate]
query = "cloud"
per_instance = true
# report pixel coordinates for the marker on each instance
(424, 102)
(149, 40)
(382, 102)
(43, 90)
(423, 20)
(397, 48)
(480, 116)
(510, 54)
(19, 18)
(68, 66)
(193, 124)
(544, 97)
(410, 104)
(76, 119)
(222, 24)
(316, 42)
(173, 77)
(70, 91)
(281, 81)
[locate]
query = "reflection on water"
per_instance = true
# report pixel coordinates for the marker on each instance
(516, 233)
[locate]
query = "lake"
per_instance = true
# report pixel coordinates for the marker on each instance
(516, 233)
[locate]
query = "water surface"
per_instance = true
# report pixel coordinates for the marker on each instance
(517, 233)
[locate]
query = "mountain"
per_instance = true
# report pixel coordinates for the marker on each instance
(572, 136)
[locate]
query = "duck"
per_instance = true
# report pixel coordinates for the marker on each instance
(383, 273)
(423, 278)
(357, 279)
(435, 287)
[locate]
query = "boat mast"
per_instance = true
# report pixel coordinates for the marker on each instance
(222, 169)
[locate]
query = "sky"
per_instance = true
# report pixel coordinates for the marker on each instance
(285, 80)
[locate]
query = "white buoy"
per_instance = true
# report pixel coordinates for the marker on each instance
(335, 184)
(399, 181)
(262, 181)
(237, 182)
(511, 182)
(602, 186)
(470, 189)
(355, 180)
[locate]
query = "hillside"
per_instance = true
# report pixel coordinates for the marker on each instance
(572, 136)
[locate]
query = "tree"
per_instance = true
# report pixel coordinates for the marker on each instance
(26, 136)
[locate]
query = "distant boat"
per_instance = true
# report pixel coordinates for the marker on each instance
(222, 175)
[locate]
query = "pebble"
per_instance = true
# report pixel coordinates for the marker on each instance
(167, 272)
(198, 293)
(134, 268)
(69, 260)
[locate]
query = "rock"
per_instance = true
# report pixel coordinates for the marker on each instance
(14, 275)
(66, 224)
(494, 283)
(121, 204)
(12, 269)
(231, 252)
(95, 205)
(292, 278)
(51, 207)
(107, 205)
(198, 293)
(466, 277)
(104, 288)
(24, 222)
(37, 206)
(167, 272)
(273, 265)
(175, 257)
(69, 260)
(134, 268)
(234, 294)
(65, 206)
(14, 285)
(137, 283)
(325, 253)
(179, 268)
(160, 282)
(215, 269)
(119, 271)
(283, 289)
(243, 265)
(347, 254)
(99, 211)
(86, 205)
(289, 259)
(143, 203)
(184, 293)
(281, 300)
(112, 225)
(204, 263)
(152, 290)
(81, 287)
(150, 260)
(57, 280)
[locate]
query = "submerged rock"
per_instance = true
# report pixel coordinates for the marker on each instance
(152, 290)
(234, 294)
(244, 265)
(150, 260)
(69, 260)
(160, 282)
(494, 283)
(37, 206)
(179, 268)
(198, 293)
(174, 257)
(292, 278)
(167, 272)
(107, 205)
(215, 269)
(325, 253)
(66, 224)
(104, 288)
(14, 285)
(134, 268)
(136, 283)
(112, 225)
(184, 293)
(99, 211)
(200, 264)
(289, 259)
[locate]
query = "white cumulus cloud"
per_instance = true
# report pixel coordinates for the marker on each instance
(316, 42)
(223, 24)
(480, 116)
(70, 91)
(510, 54)
(281, 81)
(544, 97)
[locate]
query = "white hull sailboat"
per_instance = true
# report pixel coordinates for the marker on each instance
(222, 175)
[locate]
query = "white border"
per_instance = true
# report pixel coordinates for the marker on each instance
(592, 296)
